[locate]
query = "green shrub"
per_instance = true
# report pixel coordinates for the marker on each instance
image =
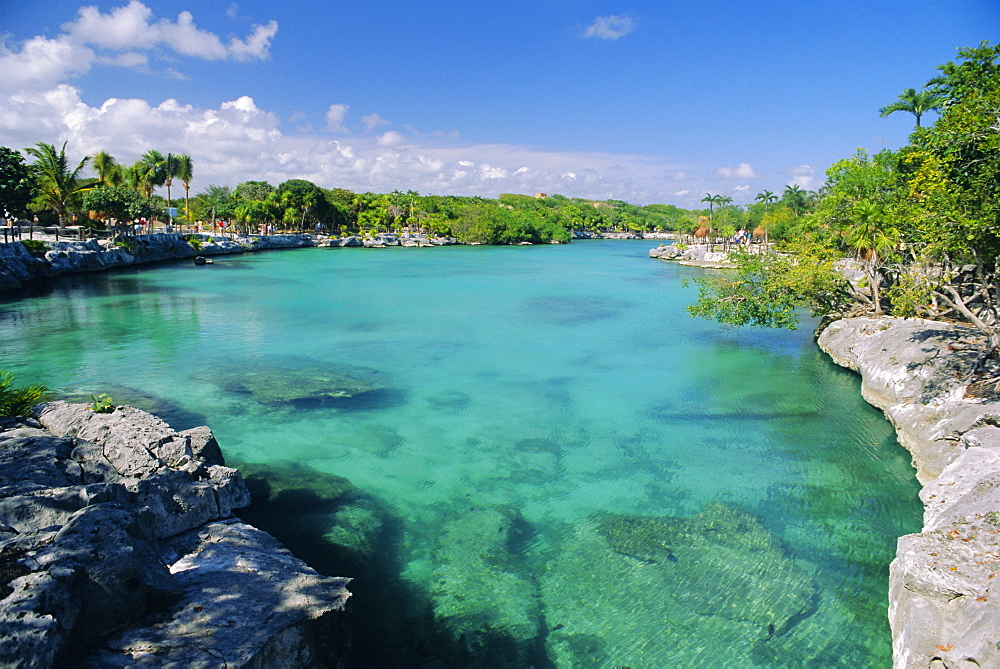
(35, 246)
(102, 404)
(195, 241)
(18, 401)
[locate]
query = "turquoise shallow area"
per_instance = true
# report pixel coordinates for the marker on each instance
(557, 384)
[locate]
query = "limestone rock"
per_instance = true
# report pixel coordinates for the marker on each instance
(278, 612)
(105, 535)
(18, 266)
(920, 373)
(88, 256)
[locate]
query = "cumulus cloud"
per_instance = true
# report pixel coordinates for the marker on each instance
(390, 138)
(335, 118)
(610, 27)
(742, 171)
(803, 176)
(124, 37)
(742, 189)
(373, 120)
(132, 26)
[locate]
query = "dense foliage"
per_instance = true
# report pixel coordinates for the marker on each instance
(18, 401)
(921, 223)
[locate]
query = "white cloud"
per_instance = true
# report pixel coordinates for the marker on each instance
(682, 193)
(802, 176)
(335, 118)
(390, 138)
(741, 189)
(132, 27)
(373, 120)
(42, 63)
(124, 37)
(610, 27)
(742, 171)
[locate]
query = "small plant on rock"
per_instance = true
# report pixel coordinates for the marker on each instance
(35, 247)
(102, 404)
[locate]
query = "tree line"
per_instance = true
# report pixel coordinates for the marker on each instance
(100, 192)
(922, 224)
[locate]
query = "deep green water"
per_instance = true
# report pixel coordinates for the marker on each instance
(664, 491)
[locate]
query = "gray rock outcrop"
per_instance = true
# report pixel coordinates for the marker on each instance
(19, 267)
(117, 549)
(942, 610)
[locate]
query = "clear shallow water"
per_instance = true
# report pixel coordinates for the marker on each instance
(665, 491)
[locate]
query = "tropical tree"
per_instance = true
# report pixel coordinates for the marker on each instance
(185, 172)
(59, 186)
(16, 184)
(873, 239)
(766, 198)
(712, 200)
(795, 198)
(170, 169)
(153, 165)
(104, 164)
(916, 103)
(121, 204)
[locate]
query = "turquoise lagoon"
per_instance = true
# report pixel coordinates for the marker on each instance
(559, 467)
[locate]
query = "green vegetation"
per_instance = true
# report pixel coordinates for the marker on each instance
(922, 224)
(35, 246)
(18, 401)
(102, 404)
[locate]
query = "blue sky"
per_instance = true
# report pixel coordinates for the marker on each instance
(645, 101)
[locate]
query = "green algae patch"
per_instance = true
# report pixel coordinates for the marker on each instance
(286, 383)
(486, 606)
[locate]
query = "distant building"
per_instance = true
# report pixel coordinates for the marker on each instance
(541, 195)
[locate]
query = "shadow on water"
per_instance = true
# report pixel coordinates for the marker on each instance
(340, 531)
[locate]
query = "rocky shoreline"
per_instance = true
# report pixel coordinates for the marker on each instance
(942, 609)
(118, 548)
(19, 266)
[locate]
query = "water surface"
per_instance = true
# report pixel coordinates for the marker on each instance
(665, 491)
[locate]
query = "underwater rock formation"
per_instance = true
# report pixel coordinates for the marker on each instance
(284, 384)
(716, 580)
(486, 606)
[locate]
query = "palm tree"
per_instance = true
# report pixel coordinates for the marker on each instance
(185, 172)
(58, 185)
(795, 197)
(105, 164)
(171, 169)
(155, 173)
(139, 176)
(766, 198)
(915, 103)
(711, 200)
(873, 240)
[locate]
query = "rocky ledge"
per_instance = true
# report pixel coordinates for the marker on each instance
(18, 266)
(942, 609)
(117, 548)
